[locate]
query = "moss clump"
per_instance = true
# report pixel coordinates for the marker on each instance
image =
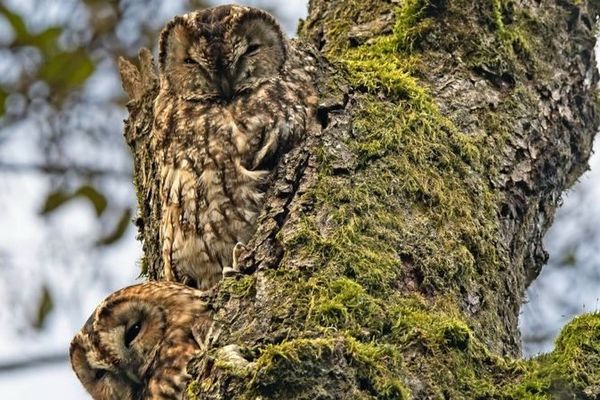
(428, 343)
(417, 195)
(512, 52)
(413, 22)
(300, 357)
(374, 361)
(571, 370)
(240, 286)
(192, 391)
(343, 302)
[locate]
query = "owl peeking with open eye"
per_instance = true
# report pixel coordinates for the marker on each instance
(137, 343)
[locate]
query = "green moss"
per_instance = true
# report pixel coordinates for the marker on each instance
(344, 302)
(514, 48)
(292, 351)
(513, 36)
(412, 23)
(374, 361)
(340, 20)
(296, 357)
(143, 267)
(571, 369)
(416, 169)
(238, 286)
(417, 209)
(192, 391)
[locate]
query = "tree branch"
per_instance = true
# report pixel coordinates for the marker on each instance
(57, 169)
(33, 362)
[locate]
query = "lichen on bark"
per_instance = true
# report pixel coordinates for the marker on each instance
(396, 244)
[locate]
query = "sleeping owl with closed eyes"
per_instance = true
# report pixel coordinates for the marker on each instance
(234, 95)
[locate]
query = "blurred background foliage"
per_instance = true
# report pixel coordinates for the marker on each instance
(61, 110)
(66, 192)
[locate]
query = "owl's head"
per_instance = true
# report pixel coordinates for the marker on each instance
(220, 52)
(116, 352)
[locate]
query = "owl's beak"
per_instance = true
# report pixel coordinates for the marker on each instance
(132, 377)
(225, 86)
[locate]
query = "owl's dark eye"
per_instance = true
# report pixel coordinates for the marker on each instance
(190, 61)
(99, 374)
(251, 49)
(132, 333)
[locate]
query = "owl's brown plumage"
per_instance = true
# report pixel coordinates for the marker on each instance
(137, 343)
(234, 94)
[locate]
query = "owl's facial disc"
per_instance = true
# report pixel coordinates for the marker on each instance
(258, 53)
(131, 333)
(240, 59)
(100, 379)
(141, 338)
(203, 58)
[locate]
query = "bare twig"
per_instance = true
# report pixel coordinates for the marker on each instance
(36, 361)
(57, 169)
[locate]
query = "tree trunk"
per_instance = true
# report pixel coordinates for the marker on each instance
(395, 246)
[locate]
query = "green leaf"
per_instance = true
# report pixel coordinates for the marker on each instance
(17, 23)
(3, 96)
(118, 231)
(54, 200)
(45, 307)
(97, 199)
(62, 70)
(66, 70)
(59, 197)
(569, 258)
(46, 41)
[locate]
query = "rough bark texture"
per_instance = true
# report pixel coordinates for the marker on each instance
(396, 245)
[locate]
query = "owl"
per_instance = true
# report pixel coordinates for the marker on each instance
(234, 95)
(137, 343)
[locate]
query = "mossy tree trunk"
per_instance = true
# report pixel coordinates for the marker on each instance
(395, 247)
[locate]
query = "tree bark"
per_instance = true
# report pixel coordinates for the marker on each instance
(395, 246)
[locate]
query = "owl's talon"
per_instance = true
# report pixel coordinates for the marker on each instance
(234, 270)
(228, 272)
(238, 249)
